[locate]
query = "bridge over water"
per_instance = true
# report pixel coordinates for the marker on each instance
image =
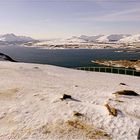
(124, 71)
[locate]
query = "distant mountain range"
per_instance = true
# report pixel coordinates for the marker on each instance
(14, 38)
(112, 38)
(116, 38)
(104, 38)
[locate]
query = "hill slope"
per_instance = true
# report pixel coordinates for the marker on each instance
(32, 104)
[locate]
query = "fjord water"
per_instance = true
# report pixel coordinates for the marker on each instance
(65, 57)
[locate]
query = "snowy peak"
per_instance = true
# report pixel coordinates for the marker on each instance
(103, 38)
(13, 38)
(112, 38)
(90, 38)
(83, 39)
(75, 39)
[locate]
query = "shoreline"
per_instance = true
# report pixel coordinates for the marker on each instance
(132, 64)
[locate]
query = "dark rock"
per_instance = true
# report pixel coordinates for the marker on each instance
(6, 58)
(36, 67)
(126, 92)
(122, 84)
(77, 114)
(65, 96)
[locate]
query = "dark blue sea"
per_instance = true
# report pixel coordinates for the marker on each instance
(65, 57)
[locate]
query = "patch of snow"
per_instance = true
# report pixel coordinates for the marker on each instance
(31, 107)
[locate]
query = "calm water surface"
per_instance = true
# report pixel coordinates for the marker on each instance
(66, 57)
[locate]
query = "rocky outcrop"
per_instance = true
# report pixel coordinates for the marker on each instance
(4, 57)
(134, 64)
(126, 92)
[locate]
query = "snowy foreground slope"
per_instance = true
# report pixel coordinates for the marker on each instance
(31, 107)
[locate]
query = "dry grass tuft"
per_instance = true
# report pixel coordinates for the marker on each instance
(74, 129)
(9, 93)
(117, 100)
(112, 111)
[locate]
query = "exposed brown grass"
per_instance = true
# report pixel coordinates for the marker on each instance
(8, 93)
(74, 128)
(117, 100)
(112, 111)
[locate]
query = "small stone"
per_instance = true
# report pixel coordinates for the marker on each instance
(75, 113)
(36, 67)
(65, 96)
(122, 84)
(42, 99)
(36, 95)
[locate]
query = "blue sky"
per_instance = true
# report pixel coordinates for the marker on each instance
(65, 18)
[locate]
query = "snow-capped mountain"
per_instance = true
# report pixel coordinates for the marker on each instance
(130, 39)
(60, 41)
(14, 38)
(11, 39)
(75, 39)
(83, 39)
(90, 38)
(112, 38)
(99, 38)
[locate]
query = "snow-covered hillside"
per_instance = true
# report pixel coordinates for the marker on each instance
(83, 39)
(15, 38)
(111, 38)
(33, 107)
(101, 38)
(116, 38)
(90, 38)
(60, 41)
(130, 39)
(75, 39)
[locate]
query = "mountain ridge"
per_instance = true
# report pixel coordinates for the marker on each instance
(14, 38)
(110, 38)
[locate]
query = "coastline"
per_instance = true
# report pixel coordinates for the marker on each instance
(132, 64)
